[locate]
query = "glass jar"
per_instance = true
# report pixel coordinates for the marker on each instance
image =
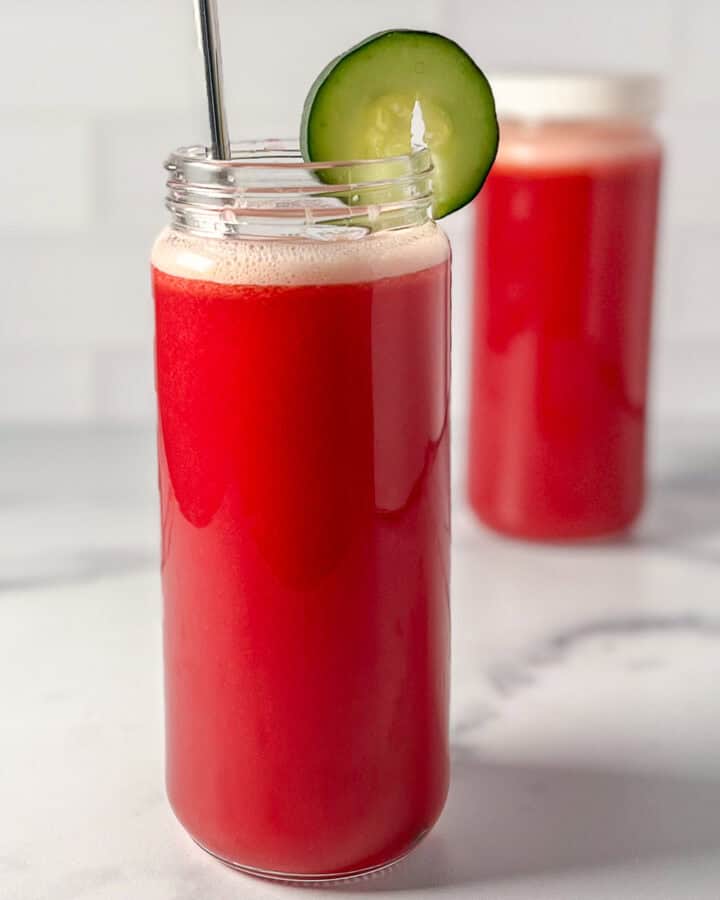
(302, 362)
(564, 259)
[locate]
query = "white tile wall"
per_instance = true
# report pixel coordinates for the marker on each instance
(628, 34)
(693, 150)
(124, 385)
(32, 150)
(688, 296)
(96, 57)
(459, 230)
(41, 383)
(63, 292)
(273, 51)
(93, 95)
(695, 65)
(131, 150)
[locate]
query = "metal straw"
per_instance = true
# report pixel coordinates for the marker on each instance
(209, 34)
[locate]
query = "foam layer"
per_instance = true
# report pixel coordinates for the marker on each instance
(556, 145)
(297, 261)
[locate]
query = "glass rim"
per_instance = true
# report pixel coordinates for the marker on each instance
(268, 185)
(283, 154)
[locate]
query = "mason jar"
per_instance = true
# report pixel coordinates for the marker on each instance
(302, 368)
(564, 260)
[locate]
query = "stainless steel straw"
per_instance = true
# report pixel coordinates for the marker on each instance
(209, 34)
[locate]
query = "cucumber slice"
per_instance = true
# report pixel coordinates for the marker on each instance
(361, 106)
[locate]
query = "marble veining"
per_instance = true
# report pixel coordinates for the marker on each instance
(586, 739)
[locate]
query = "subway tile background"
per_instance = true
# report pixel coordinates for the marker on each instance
(93, 95)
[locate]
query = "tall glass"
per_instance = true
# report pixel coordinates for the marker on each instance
(565, 250)
(302, 352)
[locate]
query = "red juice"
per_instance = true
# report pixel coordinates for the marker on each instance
(303, 453)
(564, 273)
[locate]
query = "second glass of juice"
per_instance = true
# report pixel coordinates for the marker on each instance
(565, 250)
(302, 353)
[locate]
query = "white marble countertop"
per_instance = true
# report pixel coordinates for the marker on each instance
(586, 734)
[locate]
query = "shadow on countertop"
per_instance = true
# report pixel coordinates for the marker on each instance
(681, 514)
(513, 821)
(683, 506)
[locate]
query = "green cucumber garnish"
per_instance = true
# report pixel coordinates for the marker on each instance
(362, 104)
